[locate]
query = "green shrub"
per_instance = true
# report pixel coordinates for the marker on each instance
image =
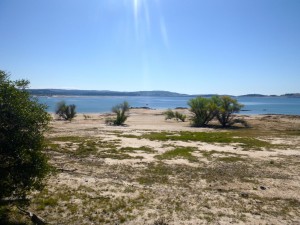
(64, 111)
(203, 110)
(23, 122)
(226, 106)
(121, 112)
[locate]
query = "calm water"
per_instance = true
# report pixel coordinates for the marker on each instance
(253, 105)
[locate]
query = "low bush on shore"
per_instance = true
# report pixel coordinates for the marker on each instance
(222, 108)
(64, 111)
(121, 111)
(169, 114)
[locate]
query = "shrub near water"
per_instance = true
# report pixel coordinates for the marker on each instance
(226, 106)
(121, 114)
(203, 110)
(222, 108)
(64, 111)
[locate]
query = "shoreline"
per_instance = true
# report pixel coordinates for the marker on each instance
(178, 109)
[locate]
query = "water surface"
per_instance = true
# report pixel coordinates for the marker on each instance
(101, 104)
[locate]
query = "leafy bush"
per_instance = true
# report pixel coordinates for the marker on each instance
(226, 106)
(203, 110)
(121, 112)
(66, 112)
(23, 122)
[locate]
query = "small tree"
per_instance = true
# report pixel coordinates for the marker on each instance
(226, 107)
(121, 112)
(23, 122)
(64, 111)
(203, 110)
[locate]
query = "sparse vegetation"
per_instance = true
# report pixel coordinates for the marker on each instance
(136, 176)
(86, 117)
(208, 137)
(121, 113)
(169, 114)
(64, 111)
(179, 152)
(180, 116)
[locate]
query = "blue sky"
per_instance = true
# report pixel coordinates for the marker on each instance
(186, 46)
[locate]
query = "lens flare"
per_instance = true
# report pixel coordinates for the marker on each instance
(142, 20)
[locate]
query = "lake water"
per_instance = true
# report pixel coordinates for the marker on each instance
(99, 104)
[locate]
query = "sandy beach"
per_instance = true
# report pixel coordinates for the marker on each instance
(157, 171)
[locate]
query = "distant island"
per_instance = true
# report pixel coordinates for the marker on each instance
(65, 92)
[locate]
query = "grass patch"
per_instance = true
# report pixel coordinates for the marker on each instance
(253, 143)
(113, 153)
(283, 207)
(230, 159)
(143, 149)
(208, 137)
(155, 173)
(222, 171)
(292, 132)
(180, 152)
(86, 148)
(73, 139)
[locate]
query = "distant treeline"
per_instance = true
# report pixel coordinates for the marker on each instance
(60, 92)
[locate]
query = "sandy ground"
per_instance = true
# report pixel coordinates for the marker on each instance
(117, 175)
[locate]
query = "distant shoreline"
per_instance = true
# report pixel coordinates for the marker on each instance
(95, 93)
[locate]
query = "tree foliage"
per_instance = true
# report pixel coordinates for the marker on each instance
(226, 106)
(221, 107)
(121, 113)
(23, 122)
(203, 110)
(64, 111)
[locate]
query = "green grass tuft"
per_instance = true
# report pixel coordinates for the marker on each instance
(180, 152)
(208, 137)
(230, 159)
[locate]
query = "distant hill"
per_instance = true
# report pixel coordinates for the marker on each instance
(65, 92)
(292, 95)
(60, 92)
(253, 95)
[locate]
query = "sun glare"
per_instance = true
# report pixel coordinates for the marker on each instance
(136, 8)
(143, 23)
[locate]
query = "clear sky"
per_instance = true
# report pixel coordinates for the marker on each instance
(187, 46)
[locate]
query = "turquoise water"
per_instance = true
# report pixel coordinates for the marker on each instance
(99, 104)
